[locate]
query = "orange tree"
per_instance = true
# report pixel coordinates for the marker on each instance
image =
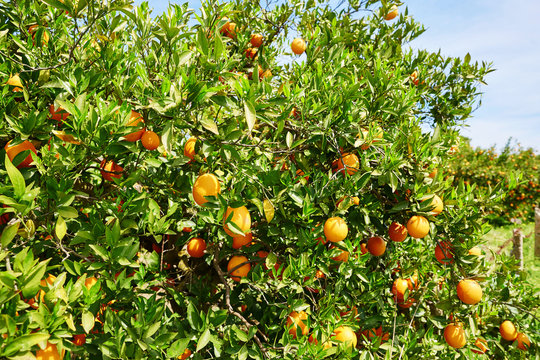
(184, 185)
(486, 168)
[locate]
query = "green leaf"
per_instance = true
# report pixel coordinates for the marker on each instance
(250, 114)
(152, 329)
(177, 348)
(30, 284)
(67, 212)
(88, 321)
(193, 317)
(243, 353)
(203, 340)
(9, 234)
(16, 178)
(60, 228)
(209, 125)
(24, 343)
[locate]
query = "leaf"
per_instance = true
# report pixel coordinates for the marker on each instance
(243, 353)
(68, 212)
(60, 229)
(152, 329)
(250, 114)
(177, 348)
(268, 210)
(30, 285)
(289, 139)
(193, 317)
(66, 137)
(24, 343)
(209, 125)
(9, 233)
(203, 340)
(87, 321)
(16, 178)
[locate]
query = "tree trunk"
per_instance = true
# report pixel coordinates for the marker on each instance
(517, 250)
(537, 232)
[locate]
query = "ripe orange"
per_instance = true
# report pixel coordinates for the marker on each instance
(229, 29)
(135, 120)
(376, 246)
(413, 281)
(418, 226)
(399, 288)
(49, 353)
(397, 232)
(264, 73)
(433, 173)
(444, 253)
(240, 217)
(508, 330)
(469, 291)
(335, 229)
(455, 336)
(346, 335)
(150, 140)
(205, 185)
(350, 161)
(185, 354)
(319, 274)
(373, 334)
(241, 240)
(79, 339)
(475, 251)
(407, 304)
(298, 46)
(241, 271)
(110, 170)
(90, 281)
(377, 134)
(343, 256)
(196, 247)
(392, 13)
(295, 321)
(437, 204)
(256, 40)
(523, 342)
(363, 248)
(189, 148)
(14, 150)
(15, 81)
(59, 114)
(251, 53)
(481, 346)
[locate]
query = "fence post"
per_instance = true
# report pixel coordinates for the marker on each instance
(517, 250)
(537, 232)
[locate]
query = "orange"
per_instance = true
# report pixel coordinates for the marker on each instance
(79, 339)
(437, 204)
(229, 29)
(346, 335)
(399, 288)
(110, 170)
(241, 271)
(335, 229)
(343, 256)
(413, 281)
(49, 353)
(240, 217)
(397, 232)
(319, 274)
(407, 304)
(44, 38)
(205, 185)
(241, 240)
(59, 114)
(508, 330)
(455, 336)
(444, 253)
(189, 148)
(298, 46)
(264, 73)
(295, 321)
(15, 81)
(185, 354)
(251, 53)
(14, 150)
(418, 226)
(363, 248)
(481, 346)
(135, 120)
(376, 246)
(90, 281)
(350, 161)
(392, 13)
(469, 291)
(433, 173)
(377, 134)
(196, 247)
(523, 342)
(374, 333)
(475, 251)
(256, 40)
(150, 140)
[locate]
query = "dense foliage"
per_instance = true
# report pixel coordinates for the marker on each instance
(112, 250)
(487, 168)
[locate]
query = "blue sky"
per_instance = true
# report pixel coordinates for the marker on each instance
(504, 32)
